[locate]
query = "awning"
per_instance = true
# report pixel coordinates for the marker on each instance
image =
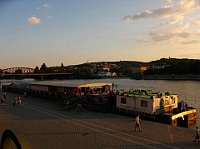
(95, 85)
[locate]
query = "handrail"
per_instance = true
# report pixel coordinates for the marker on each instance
(14, 136)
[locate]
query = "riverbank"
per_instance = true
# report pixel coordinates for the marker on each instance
(172, 77)
(45, 126)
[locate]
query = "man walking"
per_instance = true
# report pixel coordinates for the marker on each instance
(197, 135)
(2, 100)
(137, 123)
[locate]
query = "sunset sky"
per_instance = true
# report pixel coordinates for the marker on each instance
(76, 31)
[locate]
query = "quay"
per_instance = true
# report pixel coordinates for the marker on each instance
(44, 125)
(102, 97)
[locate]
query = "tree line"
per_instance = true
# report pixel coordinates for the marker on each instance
(174, 66)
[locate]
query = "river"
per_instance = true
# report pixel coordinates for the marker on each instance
(186, 90)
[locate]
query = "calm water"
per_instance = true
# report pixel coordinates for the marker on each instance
(187, 90)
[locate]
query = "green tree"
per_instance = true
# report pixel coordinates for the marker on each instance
(43, 68)
(62, 67)
(18, 71)
(36, 70)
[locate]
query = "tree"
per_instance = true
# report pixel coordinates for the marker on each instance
(18, 71)
(36, 70)
(43, 68)
(62, 67)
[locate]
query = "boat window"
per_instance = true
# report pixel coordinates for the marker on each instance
(144, 103)
(123, 100)
(174, 100)
(166, 102)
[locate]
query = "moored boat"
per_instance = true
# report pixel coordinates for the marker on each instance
(102, 97)
(162, 107)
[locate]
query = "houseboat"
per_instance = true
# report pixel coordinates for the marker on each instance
(162, 107)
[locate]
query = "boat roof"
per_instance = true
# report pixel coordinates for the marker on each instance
(69, 84)
(95, 85)
(56, 83)
(144, 93)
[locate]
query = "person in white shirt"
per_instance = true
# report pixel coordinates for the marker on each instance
(137, 123)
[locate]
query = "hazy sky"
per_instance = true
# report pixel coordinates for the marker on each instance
(76, 31)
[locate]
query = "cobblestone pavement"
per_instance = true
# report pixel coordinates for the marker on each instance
(44, 125)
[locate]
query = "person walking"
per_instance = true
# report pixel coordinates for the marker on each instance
(15, 101)
(137, 123)
(79, 107)
(4, 95)
(2, 100)
(197, 135)
(19, 100)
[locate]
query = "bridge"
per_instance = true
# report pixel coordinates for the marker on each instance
(27, 72)
(12, 70)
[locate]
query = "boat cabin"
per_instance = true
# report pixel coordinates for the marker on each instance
(145, 101)
(68, 88)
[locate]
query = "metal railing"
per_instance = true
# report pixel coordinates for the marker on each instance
(11, 136)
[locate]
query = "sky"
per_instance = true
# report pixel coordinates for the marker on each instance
(72, 32)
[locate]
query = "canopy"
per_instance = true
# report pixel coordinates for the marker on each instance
(95, 85)
(70, 84)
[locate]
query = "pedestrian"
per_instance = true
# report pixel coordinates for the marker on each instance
(2, 100)
(197, 135)
(137, 123)
(15, 101)
(19, 100)
(4, 95)
(79, 107)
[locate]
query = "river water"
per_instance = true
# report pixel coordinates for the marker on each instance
(188, 91)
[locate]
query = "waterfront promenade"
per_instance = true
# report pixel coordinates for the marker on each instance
(45, 125)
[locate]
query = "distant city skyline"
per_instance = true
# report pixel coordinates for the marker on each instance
(76, 31)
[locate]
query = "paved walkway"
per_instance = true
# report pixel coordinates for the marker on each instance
(44, 125)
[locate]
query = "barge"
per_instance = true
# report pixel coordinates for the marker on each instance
(161, 107)
(102, 97)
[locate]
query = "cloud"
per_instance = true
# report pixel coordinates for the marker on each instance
(33, 20)
(176, 25)
(174, 35)
(196, 23)
(127, 19)
(168, 11)
(161, 36)
(169, 1)
(49, 16)
(174, 20)
(165, 34)
(141, 39)
(161, 12)
(46, 5)
(178, 34)
(190, 42)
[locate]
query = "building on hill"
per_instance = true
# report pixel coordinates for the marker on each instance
(106, 67)
(104, 74)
